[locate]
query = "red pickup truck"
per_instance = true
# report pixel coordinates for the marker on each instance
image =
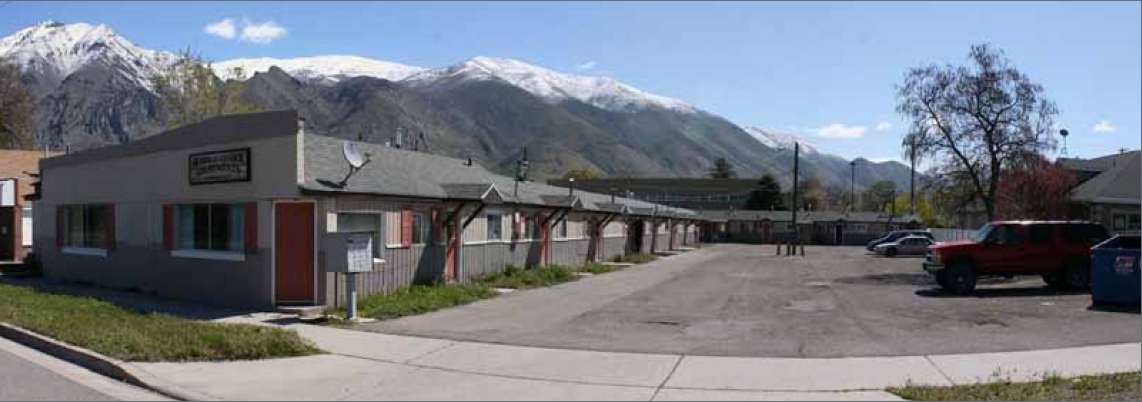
(1058, 251)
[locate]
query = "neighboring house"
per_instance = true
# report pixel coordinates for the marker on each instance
(815, 227)
(690, 193)
(235, 210)
(1110, 190)
(17, 175)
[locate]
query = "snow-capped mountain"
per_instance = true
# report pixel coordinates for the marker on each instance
(780, 140)
(327, 69)
(54, 50)
(552, 86)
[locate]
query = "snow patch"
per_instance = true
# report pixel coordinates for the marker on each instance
(328, 69)
(780, 140)
(603, 92)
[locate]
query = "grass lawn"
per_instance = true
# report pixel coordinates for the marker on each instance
(421, 299)
(131, 336)
(637, 258)
(1111, 387)
(518, 278)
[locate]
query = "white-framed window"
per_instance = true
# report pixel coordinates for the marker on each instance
(86, 226)
(26, 224)
(530, 227)
(420, 227)
(562, 230)
(357, 222)
(495, 227)
(210, 227)
(1127, 221)
(860, 227)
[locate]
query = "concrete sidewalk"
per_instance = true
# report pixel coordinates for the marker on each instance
(371, 366)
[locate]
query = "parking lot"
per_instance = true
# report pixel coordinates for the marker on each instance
(742, 300)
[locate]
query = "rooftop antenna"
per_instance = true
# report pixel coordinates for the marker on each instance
(1064, 133)
(571, 187)
(355, 158)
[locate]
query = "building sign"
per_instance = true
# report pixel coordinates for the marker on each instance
(220, 167)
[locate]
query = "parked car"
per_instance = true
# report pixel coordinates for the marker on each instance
(908, 245)
(1058, 251)
(897, 235)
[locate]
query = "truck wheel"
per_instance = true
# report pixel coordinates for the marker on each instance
(1077, 275)
(960, 278)
(942, 278)
(890, 252)
(1055, 280)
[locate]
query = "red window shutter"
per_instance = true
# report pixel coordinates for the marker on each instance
(168, 227)
(110, 229)
(436, 228)
(406, 227)
(60, 213)
(250, 227)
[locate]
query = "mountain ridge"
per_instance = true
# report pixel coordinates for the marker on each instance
(92, 88)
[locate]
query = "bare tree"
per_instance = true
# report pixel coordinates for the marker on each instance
(15, 109)
(190, 92)
(973, 120)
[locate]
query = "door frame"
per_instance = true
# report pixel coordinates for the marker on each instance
(274, 245)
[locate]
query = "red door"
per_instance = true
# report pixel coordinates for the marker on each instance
(450, 253)
(293, 252)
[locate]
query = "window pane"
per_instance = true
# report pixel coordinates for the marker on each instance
(95, 220)
(219, 227)
(419, 228)
(201, 226)
(237, 228)
(495, 227)
(1040, 234)
(185, 224)
(74, 222)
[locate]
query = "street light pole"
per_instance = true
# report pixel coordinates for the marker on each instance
(852, 185)
(796, 171)
(912, 184)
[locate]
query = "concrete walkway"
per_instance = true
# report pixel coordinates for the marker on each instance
(372, 366)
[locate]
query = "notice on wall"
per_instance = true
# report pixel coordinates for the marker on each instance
(220, 167)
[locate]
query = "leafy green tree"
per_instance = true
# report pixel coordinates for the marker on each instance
(15, 109)
(879, 195)
(583, 174)
(924, 209)
(722, 169)
(189, 92)
(767, 195)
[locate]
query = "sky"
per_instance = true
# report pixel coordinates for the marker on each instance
(822, 70)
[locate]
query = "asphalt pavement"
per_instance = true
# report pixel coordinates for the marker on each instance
(23, 380)
(742, 300)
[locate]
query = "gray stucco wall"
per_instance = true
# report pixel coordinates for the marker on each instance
(139, 184)
(489, 258)
(613, 247)
(569, 252)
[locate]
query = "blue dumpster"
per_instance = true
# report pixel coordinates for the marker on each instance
(1114, 271)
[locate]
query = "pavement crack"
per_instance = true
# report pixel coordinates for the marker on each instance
(668, 376)
(939, 370)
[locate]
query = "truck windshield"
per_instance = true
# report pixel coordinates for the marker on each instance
(981, 234)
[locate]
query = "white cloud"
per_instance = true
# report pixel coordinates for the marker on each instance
(884, 126)
(1104, 127)
(588, 65)
(841, 131)
(223, 29)
(262, 32)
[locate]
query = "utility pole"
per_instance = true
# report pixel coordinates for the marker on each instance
(796, 171)
(852, 185)
(912, 184)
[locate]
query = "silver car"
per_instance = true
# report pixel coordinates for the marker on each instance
(910, 245)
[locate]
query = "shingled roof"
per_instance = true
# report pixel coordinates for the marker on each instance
(405, 173)
(1120, 184)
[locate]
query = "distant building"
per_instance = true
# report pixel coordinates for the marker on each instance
(16, 178)
(816, 227)
(690, 193)
(1109, 190)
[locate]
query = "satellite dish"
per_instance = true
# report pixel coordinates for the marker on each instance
(353, 155)
(355, 158)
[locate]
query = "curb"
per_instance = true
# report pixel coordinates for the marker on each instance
(98, 363)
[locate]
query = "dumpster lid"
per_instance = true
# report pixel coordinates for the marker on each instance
(1122, 241)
